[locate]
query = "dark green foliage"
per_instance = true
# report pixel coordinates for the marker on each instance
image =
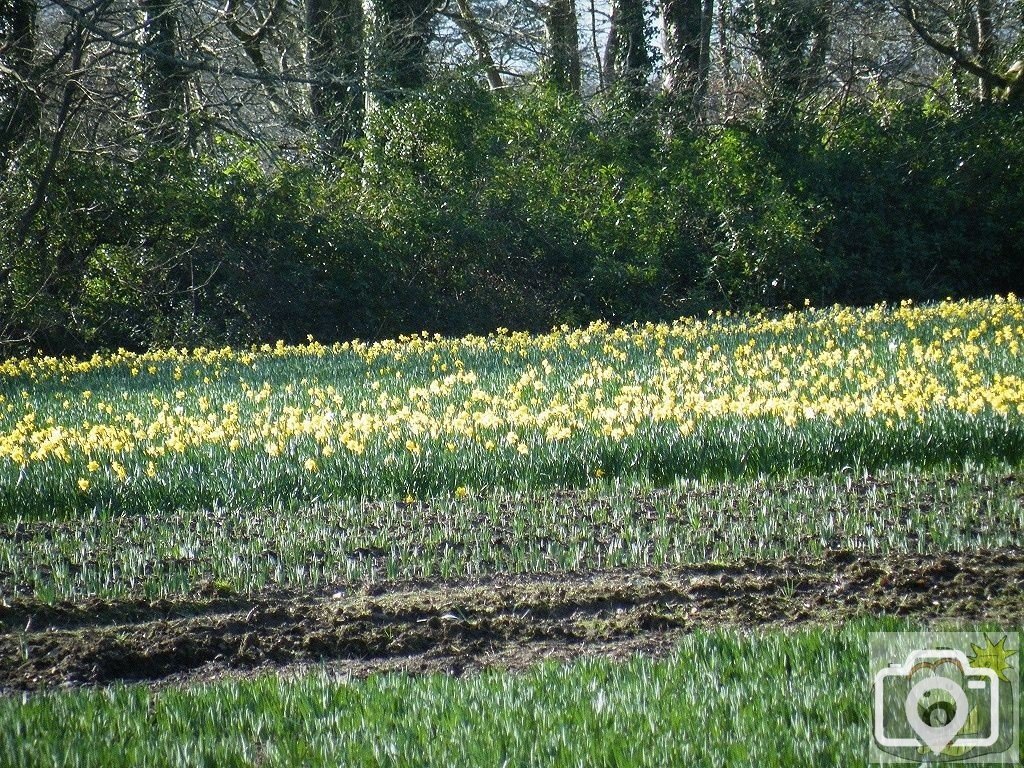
(167, 249)
(924, 205)
(463, 210)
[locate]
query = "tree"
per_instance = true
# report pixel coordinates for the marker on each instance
(252, 37)
(335, 58)
(400, 34)
(562, 67)
(164, 80)
(686, 50)
(19, 93)
(627, 59)
(967, 34)
(474, 31)
(790, 41)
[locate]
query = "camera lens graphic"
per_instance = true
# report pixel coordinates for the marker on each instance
(936, 710)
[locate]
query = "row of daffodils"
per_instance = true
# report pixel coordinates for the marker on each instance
(511, 399)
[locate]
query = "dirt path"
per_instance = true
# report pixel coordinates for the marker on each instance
(501, 621)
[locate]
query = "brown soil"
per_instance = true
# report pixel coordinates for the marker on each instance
(506, 621)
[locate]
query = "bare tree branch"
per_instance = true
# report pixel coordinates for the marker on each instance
(209, 65)
(469, 24)
(968, 64)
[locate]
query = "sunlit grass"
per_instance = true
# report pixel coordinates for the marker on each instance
(723, 698)
(726, 698)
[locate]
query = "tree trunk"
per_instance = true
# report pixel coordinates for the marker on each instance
(986, 46)
(397, 55)
(469, 24)
(704, 63)
(164, 81)
(627, 57)
(686, 42)
(725, 52)
(252, 45)
(611, 45)
(21, 112)
(963, 45)
(334, 55)
(791, 41)
(563, 59)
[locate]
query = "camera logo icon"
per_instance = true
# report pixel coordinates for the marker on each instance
(936, 706)
(934, 702)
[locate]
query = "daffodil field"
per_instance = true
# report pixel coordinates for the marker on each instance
(597, 546)
(808, 392)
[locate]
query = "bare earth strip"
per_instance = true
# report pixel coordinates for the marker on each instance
(504, 621)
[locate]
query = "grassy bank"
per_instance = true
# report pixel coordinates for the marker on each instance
(723, 698)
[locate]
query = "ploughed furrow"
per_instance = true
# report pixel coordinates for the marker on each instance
(502, 620)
